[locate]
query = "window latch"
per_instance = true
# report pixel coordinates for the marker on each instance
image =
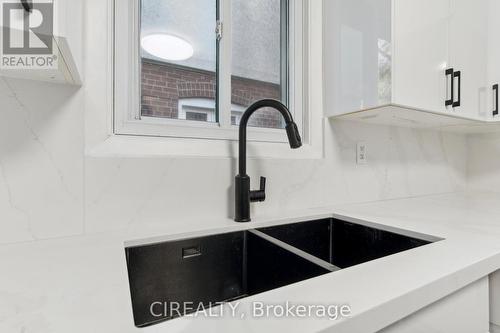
(218, 30)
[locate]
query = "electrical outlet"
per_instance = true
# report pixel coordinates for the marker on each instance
(361, 157)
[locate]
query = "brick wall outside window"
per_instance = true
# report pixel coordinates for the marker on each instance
(164, 84)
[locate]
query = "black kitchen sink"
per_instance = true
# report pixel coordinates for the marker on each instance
(174, 278)
(342, 243)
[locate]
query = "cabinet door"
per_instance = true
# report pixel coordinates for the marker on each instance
(357, 54)
(421, 53)
(493, 69)
(495, 297)
(465, 311)
(468, 54)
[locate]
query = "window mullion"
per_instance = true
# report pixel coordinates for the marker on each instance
(224, 66)
(285, 50)
(298, 83)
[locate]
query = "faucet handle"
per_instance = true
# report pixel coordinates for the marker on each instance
(259, 195)
(263, 184)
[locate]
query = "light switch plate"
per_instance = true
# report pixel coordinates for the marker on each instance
(361, 153)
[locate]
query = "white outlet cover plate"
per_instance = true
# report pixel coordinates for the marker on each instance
(361, 153)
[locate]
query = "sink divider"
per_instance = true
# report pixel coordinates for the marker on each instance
(244, 280)
(315, 260)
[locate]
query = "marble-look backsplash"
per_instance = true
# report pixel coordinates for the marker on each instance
(41, 161)
(401, 163)
(483, 166)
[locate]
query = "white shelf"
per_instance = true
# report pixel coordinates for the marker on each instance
(66, 72)
(401, 116)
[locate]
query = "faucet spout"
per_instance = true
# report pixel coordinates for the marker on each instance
(242, 181)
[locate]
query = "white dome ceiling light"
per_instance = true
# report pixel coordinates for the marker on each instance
(167, 47)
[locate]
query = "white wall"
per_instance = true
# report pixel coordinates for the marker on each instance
(50, 188)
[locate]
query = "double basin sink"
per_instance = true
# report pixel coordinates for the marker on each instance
(225, 267)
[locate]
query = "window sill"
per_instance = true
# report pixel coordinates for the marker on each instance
(128, 146)
(186, 129)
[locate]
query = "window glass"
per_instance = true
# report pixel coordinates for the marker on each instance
(197, 116)
(259, 49)
(178, 57)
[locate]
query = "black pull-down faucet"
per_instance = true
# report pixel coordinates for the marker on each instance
(242, 181)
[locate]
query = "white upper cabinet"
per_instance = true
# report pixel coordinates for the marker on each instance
(397, 52)
(468, 53)
(421, 53)
(357, 54)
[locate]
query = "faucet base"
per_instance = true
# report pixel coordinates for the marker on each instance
(242, 198)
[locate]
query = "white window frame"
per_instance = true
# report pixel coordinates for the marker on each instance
(127, 110)
(103, 141)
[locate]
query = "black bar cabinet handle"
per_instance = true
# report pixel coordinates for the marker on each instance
(495, 89)
(449, 72)
(458, 74)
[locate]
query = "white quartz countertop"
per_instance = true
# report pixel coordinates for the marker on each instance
(80, 284)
